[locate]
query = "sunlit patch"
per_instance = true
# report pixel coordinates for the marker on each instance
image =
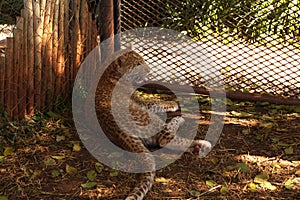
(263, 160)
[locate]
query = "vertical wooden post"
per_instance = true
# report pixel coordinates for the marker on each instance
(14, 75)
(38, 35)
(117, 24)
(8, 75)
(24, 83)
(30, 54)
(60, 53)
(75, 37)
(46, 52)
(43, 16)
(55, 38)
(2, 72)
(42, 47)
(106, 27)
(20, 106)
(2, 81)
(67, 45)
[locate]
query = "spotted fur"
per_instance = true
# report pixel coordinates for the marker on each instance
(141, 112)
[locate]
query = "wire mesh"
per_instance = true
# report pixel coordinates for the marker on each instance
(253, 44)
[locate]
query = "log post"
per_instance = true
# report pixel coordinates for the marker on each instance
(106, 27)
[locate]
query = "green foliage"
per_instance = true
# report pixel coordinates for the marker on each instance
(247, 19)
(9, 10)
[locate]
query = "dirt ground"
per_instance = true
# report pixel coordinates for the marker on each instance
(256, 157)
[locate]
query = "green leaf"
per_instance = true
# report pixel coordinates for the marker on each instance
(76, 147)
(3, 198)
(261, 178)
(289, 150)
(88, 185)
(289, 184)
(70, 169)
(60, 138)
(194, 193)
(55, 173)
(252, 187)
(266, 125)
(91, 175)
(114, 173)
(1, 158)
(8, 151)
(215, 160)
(276, 166)
(224, 190)
(98, 167)
(245, 131)
(268, 185)
(58, 157)
(49, 162)
(210, 183)
(243, 167)
(274, 139)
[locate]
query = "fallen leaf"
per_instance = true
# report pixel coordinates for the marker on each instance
(162, 180)
(224, 190)
(214, 161)
(194, 193)
(261, 178)
(58, 157)
(289, 151)
(88, 185)
(245, 131)
(60, 138)
(91, 175)
(114, 173)
(266, 125)
(276, 166)
(70, 169)
(243, 167)
(76, 147)
(289, 184)
(252, 187)
(55, 173)
(49, 162)
(98, 167)
(8, 151)
(268, 185)
(210, 183)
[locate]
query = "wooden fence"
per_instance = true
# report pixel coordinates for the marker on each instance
(50, 40)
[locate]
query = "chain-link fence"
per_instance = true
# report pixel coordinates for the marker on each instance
(253, 44)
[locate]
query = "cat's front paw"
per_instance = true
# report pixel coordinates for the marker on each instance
(201, 148)
(205, 149)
